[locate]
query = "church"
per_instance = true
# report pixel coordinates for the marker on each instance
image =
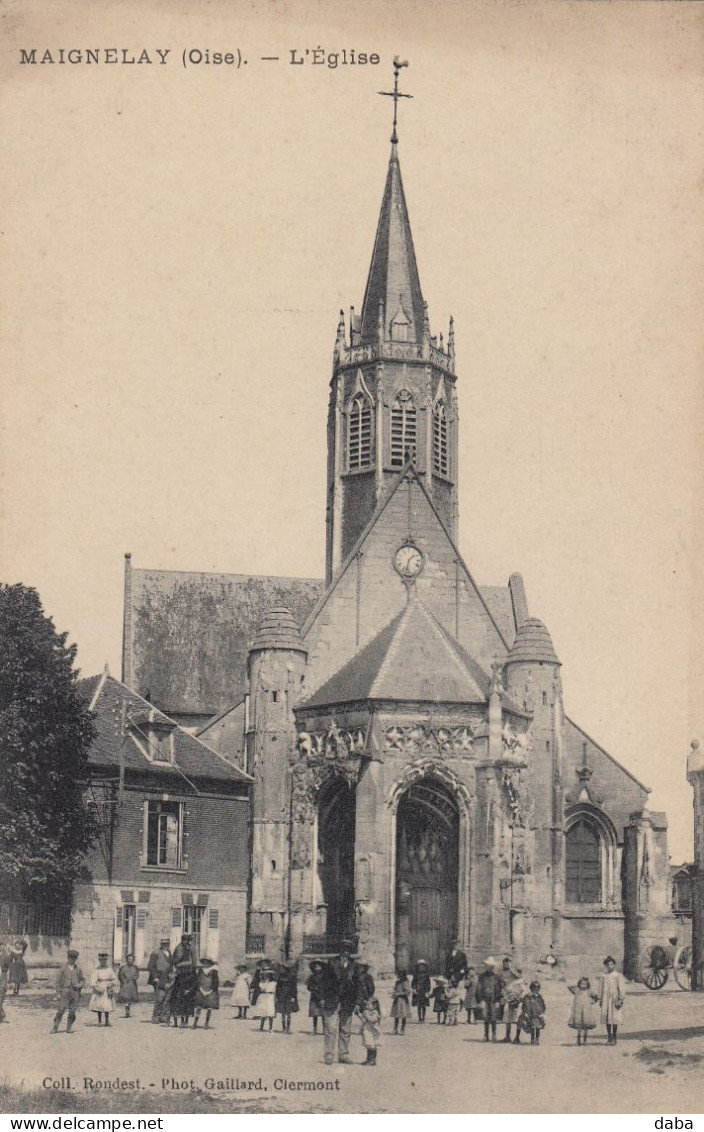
(415, 776)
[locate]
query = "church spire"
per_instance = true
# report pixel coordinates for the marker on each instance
(393, 283)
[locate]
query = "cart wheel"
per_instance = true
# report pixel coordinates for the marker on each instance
(653, 967)
(682, 967)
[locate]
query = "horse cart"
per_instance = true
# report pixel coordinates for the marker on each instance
(659, 959)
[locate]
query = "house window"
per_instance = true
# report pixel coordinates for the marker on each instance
(583, 863)
(403, 430)
(164, 834)
(193, 921)
(441, 461)
(160, 744)
(359, 434)
(682, 893)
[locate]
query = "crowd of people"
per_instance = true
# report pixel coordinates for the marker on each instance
(342, 995)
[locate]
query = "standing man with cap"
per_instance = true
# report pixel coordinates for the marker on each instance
(342, 995)
(456, 962)
(69, 983)
(160, 966)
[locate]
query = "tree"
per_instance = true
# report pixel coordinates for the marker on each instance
(45, 736)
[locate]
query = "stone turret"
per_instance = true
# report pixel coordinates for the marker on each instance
(532, 679)
(276, 666)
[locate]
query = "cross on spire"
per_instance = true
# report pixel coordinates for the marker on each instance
(396, 93)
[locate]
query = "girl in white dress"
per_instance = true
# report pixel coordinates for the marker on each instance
(104, 984)
(612, 995)
(265, 1008)
(241, 990)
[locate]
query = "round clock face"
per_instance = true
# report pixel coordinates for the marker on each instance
(408, 560)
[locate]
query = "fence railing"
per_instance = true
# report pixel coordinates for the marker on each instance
(35, 919)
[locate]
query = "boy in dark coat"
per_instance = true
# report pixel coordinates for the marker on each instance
(316, 985)
(287, 995)
(489, 989)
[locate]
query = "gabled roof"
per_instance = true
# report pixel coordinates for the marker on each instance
(393, 278)
(411, 659)
(192, 758)
(410, 470)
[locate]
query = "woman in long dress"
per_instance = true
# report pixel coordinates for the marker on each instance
(612, 995)
(104, 984)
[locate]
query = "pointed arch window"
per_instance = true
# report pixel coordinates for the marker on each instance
(359, 433)
(403, 429)
(583, 871)
(441, 456)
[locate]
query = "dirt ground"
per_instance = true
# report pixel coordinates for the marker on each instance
(657, 1066)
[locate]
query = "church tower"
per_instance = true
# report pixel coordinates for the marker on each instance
(393, 400)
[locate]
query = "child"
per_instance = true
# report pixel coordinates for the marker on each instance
(470, 1000)
(316, 985)
(439, 998)
(104, 985)
(611, 996)
(369, 1011)
(582, 1014)
(420, 985)
(241, 990)
(265, 1008)
(286, 997)
(127, 977)
(513, 992)
(17, 973)
(401, 1006)
(207, 991)
(454, 1000)
(532, 1018)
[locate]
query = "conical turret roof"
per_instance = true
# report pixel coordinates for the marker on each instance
(278, 630)
(532, 644)
(393, 279)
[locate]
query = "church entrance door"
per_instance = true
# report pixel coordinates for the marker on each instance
(336, 833)
(427, 871)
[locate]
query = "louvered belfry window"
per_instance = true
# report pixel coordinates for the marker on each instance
(403, 429)
(441, 462)
(359, 439)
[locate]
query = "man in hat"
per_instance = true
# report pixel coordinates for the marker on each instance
(160, 966)
(489, 988)
(69, 983)
(341, 997)
(456, 962)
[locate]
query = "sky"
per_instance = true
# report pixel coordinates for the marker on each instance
(181, 238)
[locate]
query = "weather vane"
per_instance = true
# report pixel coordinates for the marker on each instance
(396, 93)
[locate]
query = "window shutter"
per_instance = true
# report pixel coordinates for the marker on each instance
(141, 919)
(213, 918)
(175, 917)
(117, 937)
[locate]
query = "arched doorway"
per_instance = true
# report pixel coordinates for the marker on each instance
(336, 834)
(427, 873)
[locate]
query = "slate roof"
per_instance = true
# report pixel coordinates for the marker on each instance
(187, 635)
(193, 758)
(533, 643)
(393, 274)
(412, 659)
